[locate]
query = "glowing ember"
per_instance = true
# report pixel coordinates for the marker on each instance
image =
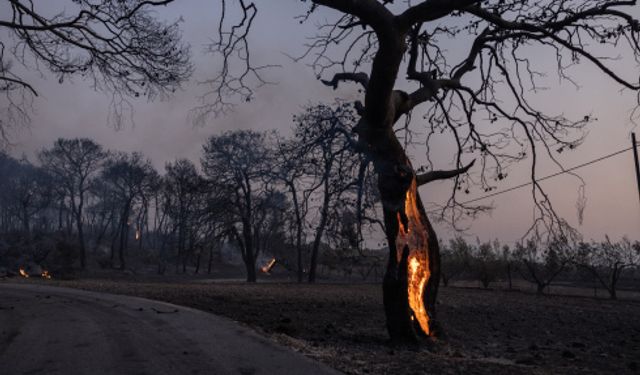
(267, 267)
(23, 273)
(137, 234)
(45, 274)
(415, 236)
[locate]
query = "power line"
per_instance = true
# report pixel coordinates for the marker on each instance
(548, 177)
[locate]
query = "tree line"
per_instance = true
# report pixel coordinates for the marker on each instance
(597, 264)
(261, 192)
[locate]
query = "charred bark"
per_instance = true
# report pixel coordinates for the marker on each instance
(402, 323)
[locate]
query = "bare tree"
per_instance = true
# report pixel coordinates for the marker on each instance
(73, 163)
(290, 168)
(130, 177)
(456, 259)
(541, 264)
(482, 100)
(234, 164)
(27, 193)
(323, 132)
(484, 263)
(606, 261)
(185, 185)
(508, 260)
(118, 46)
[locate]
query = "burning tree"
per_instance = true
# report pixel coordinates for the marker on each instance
(482, 100)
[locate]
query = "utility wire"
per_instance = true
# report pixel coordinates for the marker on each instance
(549, 176)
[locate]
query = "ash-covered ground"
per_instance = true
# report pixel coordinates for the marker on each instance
(486, 331)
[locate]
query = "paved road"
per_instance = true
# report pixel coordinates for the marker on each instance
(48, 330)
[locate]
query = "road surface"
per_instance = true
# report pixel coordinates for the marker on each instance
(49, 330)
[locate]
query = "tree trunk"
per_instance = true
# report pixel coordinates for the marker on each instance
(25, 221)
(124, 233)
(313, 265)
(445, 280)
(248, 254)
(198, 258)
(614, 282)
(83, 260)
(411, 281)
(210, 260)
(251, 270)
(299, 228)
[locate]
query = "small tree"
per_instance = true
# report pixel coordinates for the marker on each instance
(508, 261)
(456, 258)
(542, 267)
(607, 261)
(484, 264)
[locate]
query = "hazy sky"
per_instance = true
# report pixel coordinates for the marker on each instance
(163, 133)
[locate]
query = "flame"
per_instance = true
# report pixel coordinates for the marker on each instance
(45, 274)
(415, 236)
(23, 273)
(267, 267)
(137, 234)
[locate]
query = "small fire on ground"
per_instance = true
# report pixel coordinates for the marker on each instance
(269, 266)
(44, 274)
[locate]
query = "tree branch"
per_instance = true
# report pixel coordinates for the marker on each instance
(360, 77)
(431, 176)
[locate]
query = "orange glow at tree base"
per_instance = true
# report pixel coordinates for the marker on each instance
(415, 237)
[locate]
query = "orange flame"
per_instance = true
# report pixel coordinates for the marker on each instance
(267, 267)
(45, 274)
(137, 234)
(415, 236)
(23, 273)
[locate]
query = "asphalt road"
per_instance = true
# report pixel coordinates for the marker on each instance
(49, 330)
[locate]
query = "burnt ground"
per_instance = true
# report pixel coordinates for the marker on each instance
(486, 331)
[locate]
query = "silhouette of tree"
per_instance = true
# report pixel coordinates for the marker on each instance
(540, 264)
(186, 187)
(483, 100)
(235, 164)
(607, 261)
(73, 163)
(28, 193)
(119, 46)
(130, 177)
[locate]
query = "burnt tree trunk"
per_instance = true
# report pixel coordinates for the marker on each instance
(404, 215)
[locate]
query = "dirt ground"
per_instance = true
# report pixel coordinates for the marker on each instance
(486, 331)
